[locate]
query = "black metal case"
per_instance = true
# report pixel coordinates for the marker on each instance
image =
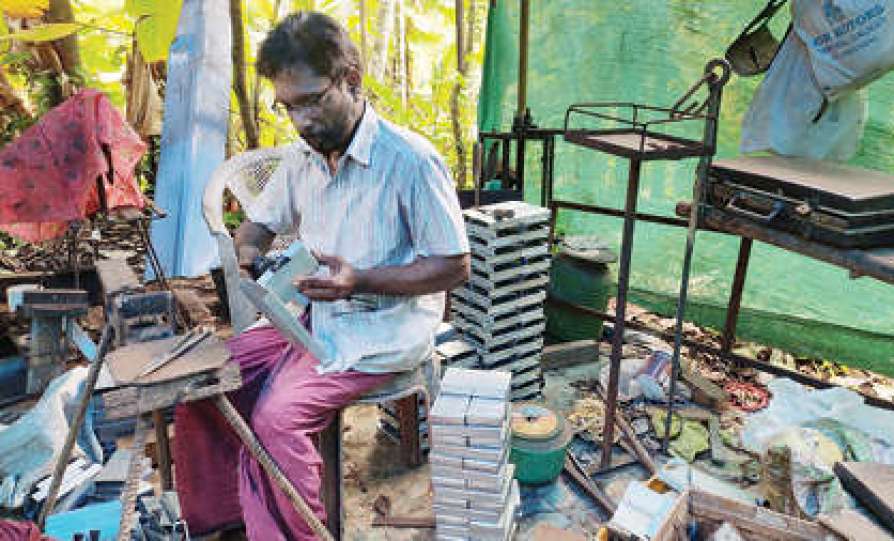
(826, 202)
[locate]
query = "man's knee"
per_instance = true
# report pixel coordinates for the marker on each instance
(273, 420)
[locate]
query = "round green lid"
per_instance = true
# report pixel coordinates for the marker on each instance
(536, 427)
(534, 422)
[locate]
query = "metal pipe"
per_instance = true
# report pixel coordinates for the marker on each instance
(640, 216)
(523, 60)
(257, 451)
(715, 89)
(735, 297)
(611, 401)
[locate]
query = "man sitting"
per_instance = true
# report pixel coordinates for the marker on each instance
(377, 205)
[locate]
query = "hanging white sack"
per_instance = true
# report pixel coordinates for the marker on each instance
(787, 114)
(850, 42)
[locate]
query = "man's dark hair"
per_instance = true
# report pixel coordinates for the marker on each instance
(309, 39)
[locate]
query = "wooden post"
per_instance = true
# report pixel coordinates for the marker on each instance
(193, 141)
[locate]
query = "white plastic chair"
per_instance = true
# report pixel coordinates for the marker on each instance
(246, 176)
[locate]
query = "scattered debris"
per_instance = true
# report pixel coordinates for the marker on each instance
(747, 396)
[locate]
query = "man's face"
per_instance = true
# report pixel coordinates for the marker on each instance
(321, 108)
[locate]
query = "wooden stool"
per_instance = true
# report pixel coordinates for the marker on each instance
(405, 389)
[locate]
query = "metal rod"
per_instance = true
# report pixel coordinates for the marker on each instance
(735, 297)
(504, 175)
(75, 427)
(520, 148)
(620, 310)
(715, 89)
(640, 216)
(260, 454)
(153, 257)
(523, 60)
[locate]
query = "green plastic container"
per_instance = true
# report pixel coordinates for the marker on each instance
(579, 275)
(540, 439)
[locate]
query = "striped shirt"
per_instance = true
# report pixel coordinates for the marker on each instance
(391, 201)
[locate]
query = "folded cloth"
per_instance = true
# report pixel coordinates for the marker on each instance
(48, 175)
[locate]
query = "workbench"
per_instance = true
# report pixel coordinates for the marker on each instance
(876, 263)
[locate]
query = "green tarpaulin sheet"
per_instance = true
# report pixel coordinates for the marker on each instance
(651, 51)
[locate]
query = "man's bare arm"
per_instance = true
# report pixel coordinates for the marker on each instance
(252, 239)
(423, 276)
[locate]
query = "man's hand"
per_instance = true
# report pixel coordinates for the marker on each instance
(340, 284)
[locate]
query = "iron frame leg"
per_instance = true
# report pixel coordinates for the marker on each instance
(611, 402)
(735, 298)
(331, 451)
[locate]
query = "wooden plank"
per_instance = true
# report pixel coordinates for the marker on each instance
(569, 354)
(126, 402)
(873, 485)
(126, 363)
(194, 135)
(115, 276)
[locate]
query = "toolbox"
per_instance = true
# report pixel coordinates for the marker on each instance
(824, 202)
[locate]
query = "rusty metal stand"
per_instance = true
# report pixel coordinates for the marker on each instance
(639, 139)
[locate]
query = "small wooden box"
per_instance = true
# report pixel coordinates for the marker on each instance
(753, 522)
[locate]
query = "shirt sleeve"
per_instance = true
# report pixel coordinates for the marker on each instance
(275, 207)
(436, 222)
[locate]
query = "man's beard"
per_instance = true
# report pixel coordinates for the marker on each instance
(325, 140)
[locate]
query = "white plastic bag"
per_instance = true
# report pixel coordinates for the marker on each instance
(30, 447)
(850, 42)
(783, 115)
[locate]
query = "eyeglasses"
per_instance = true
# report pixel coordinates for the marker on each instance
(308, 101)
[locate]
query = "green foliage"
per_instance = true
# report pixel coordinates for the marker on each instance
(24, 8)
(233, 220)
(105, 30)
(156, 26)
(43, 33)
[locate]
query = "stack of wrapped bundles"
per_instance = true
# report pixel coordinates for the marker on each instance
(500, 309)
(475, 495)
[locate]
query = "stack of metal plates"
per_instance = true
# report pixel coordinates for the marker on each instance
(475, 495)
(500, 309)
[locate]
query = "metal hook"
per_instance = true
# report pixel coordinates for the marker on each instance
(711, 79)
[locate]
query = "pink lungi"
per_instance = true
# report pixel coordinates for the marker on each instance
(286, 403)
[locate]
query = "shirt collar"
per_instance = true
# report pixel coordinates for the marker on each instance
(360, 148)
(361, 145)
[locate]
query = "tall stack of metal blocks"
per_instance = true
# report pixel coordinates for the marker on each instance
(500, 309)
(475, 495)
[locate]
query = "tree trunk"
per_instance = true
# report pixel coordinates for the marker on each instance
(385, 22)
(239, 84)
(456, 95)
(67, 48)
(404, 93)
